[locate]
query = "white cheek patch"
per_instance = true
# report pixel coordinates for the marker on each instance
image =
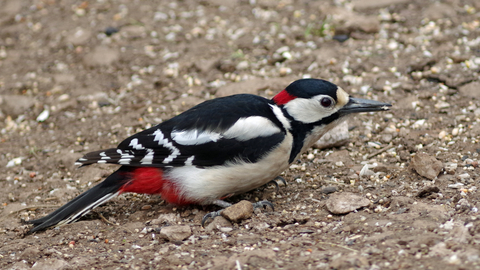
(308, 110)
(250, 128)
(194, 137)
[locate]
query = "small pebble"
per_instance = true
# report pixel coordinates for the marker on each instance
(284, 71)
(450, 167)
(239, 211)
(426, 165)
(456, 185)
(43, 116)
(176, 232)
(328, 190)
(111, 30)
(146, 207)
(345, 202)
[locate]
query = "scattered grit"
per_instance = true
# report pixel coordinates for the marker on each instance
(400, 191)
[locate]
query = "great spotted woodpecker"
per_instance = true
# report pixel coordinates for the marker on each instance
(221, 147)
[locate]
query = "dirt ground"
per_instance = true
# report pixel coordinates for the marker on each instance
(78, 76)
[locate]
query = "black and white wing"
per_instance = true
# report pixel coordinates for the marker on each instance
(224, 130)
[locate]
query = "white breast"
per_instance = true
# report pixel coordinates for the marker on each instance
(209, 184)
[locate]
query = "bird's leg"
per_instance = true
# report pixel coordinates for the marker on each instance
(215, 214)
(224, 204)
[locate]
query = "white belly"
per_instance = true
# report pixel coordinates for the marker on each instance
(206, 185)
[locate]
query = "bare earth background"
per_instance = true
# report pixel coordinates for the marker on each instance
(78, 76)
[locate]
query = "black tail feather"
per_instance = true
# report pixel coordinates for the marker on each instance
(101, 156)
(83, 203)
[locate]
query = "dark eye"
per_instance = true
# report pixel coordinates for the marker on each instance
(326, 102)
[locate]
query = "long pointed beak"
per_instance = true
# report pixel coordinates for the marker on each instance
(357, 105)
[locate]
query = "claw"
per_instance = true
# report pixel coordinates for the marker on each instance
(215, 214)
(211, 215)
(263, 204)
(281, 180)
(274, 181)
(277, 187)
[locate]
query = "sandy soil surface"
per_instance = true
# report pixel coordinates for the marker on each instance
(78, 76)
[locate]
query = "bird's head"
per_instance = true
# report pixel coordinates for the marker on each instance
(311, 100)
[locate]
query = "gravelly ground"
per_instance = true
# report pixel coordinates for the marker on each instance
(79, 76)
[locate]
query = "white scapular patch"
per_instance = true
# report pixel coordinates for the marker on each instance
(194, 137)
(251, 127)
(160, 138)
(243, 130)
(148, 158)
(125, 159)
(281, 117)
(135, 145)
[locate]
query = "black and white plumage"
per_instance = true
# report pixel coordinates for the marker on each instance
(211, 133)
(218, 148)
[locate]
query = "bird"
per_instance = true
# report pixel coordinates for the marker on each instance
(218, 148)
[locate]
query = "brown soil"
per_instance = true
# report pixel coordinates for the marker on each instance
(106, 69)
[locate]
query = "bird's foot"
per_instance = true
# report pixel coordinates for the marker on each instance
(215, 214)
(274, 182)
(284, 182)
(224, 204)
(263, 205)
(211, 215)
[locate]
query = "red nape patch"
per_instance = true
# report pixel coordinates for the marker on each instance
(283, 98)
(151, 181)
